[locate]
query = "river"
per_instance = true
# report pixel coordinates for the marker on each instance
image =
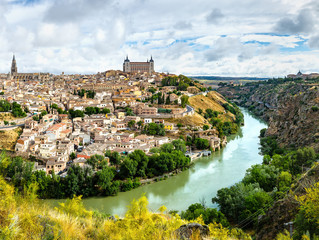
(200, 182)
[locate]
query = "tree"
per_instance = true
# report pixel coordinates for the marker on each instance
(129, 111)
(142, 160)
(167, 147)
(265, 175)
(106, 110)
(76, 113)
(308, 215)
(104, 180)
(140, 123)
(128, 168)
(17, 110)
(43, 113)
(209, 215)
(95, 161)
(131, 124)
(179, 145)
(241, 201)
(205, 127)
(72, 155)
(201, 143)
(168, 101)
(184, 100)
(90, 110)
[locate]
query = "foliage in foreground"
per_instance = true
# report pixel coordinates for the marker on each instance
(26, 218)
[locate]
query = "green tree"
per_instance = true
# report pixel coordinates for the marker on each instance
(106, 110)
(104, 180)
(168, 101)
(205, 127)
(201, 143)
(184, 100)
(72, 155)
(131, 124)
(142, 160)
(167, 147)
(241, 201)
(95, 161)
(179, 145)
(209, 215)
(128, 168)
(265, 175)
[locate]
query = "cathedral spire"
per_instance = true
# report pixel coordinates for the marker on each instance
(14, 68)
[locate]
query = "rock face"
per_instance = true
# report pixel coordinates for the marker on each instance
(187, 231)
(291, 110)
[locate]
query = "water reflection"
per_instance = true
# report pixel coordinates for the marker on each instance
(199, 183)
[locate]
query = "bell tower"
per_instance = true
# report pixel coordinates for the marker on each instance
(14, 68)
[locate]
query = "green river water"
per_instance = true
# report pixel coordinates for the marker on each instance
(200, 182)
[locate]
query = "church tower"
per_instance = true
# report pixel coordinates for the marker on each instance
(126, 65)
(14, 68)
(151, 65)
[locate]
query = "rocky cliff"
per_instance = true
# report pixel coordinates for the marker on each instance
(291, 110)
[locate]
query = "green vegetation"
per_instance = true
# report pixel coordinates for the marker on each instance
(24, 217)
(100, 178)
(154, 129)
(76, 113)
(209, 215)
(60, 111)
(82, 92)
(181, 82)
(95, 110)
(15, 108)
(307, 220)
(263, 184)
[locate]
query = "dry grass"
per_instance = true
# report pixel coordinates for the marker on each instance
(8, 138)
(204, 103)
(6, 116)
(195, 120)
(216, 97)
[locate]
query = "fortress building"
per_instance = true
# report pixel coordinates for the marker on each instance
(138, 67)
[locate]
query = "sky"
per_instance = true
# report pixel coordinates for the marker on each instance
(268, 38)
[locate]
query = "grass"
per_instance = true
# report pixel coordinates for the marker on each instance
(8, 138)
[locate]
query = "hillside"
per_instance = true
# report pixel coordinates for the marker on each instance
(290, 108)
(26, 218)
(8, 138)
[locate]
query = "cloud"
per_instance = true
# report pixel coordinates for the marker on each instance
(303, 23)
(182, 25)
(65, 11)
(89, 36)
(314, 41)
(214, 16)
(230, 47)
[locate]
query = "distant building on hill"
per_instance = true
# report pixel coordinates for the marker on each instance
(303, 76)
(138, 67)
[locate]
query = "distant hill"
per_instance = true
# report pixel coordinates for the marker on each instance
(228, 78)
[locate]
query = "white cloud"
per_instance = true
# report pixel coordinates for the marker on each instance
(200, 37)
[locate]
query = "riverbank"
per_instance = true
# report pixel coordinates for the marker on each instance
(199, 183)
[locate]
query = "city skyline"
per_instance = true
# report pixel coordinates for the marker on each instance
(260, 39)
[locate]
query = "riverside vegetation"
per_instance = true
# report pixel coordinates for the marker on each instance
(289, 173)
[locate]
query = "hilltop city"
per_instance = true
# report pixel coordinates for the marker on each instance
(69, 118)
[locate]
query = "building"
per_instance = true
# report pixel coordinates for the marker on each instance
(14, 68)
(138, 67)
(303, 76)
(25, 76)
